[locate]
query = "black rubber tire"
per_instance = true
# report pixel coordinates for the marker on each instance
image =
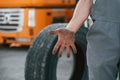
(41, 64)
(77, 1)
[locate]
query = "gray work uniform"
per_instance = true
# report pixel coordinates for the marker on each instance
(103, 50)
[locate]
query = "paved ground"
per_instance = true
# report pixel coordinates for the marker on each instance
(12, 62)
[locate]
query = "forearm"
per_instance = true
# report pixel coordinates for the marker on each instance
(80, 14)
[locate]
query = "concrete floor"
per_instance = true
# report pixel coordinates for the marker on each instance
(12, 62)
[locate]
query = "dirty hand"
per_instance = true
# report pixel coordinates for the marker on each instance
(66, 40)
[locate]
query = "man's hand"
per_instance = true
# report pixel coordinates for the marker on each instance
(66, 40)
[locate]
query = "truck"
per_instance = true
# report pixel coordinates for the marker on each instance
(22, 20)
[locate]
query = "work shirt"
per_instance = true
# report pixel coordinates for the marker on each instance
(108, 10)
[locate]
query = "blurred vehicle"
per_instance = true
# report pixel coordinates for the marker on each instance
(22, 20)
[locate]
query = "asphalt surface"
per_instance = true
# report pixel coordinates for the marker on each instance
(12, 64)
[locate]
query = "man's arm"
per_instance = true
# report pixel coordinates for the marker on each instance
(81, 13)
(66, 36)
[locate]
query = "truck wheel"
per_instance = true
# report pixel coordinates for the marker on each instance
(42, 65)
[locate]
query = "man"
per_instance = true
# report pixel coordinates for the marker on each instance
(103, 49)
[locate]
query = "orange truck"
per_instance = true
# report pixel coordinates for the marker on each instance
(22, 20)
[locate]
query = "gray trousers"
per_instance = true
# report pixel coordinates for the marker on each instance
(103, 50)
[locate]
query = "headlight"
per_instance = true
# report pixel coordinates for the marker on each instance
(31, 17)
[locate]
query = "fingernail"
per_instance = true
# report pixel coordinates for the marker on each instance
(68, 56)
(59, 56)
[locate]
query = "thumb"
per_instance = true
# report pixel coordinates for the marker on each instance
(52, 32)
(57, 31)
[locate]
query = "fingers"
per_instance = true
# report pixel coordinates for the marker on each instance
(62, 47)
(74, 48)
(56, 31)
(68, 51)
(56, 47)
(53, 32)
(61, 50)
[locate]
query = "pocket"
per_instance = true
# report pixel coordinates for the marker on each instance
(91, 29)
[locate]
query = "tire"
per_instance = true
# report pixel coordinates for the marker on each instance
(77, 1)
(41, 64)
